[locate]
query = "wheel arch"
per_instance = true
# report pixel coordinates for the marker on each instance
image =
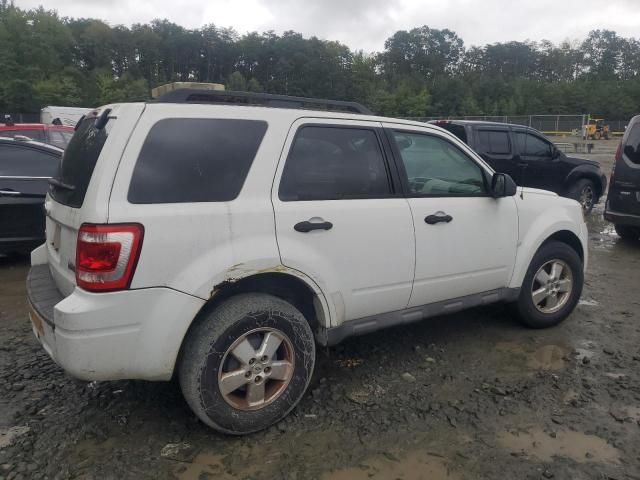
(286, 284)
(564, 232)
(585, 172)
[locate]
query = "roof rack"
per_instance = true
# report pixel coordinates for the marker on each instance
(189, 95)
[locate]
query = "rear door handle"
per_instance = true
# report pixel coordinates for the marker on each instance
(10, 193)
(523, 165)
(439, 217)
(307, 226)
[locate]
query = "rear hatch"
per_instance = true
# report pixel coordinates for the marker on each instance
(80, 192)
(624, 192)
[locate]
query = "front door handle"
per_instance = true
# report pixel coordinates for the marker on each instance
(307, 226)
(439, 217)
(523, 165)
(10, 192)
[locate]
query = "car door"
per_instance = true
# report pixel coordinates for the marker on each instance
(465, 239)
(341, 219)
(24, 175)
(539, 168)
(494, 146)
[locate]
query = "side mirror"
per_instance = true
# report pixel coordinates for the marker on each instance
(555, 153)
(502, 185)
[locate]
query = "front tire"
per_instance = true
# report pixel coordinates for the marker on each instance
(628, 233)
(552, 286)
(584, 192)
(247, 363)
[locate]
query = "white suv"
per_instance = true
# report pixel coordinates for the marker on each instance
(222, 242)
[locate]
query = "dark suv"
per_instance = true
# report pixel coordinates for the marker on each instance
(25, 169)
(623, 200)
(531, 159)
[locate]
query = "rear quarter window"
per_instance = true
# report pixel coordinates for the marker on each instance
(195, 160)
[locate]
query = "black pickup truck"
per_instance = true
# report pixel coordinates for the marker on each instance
(531, 159)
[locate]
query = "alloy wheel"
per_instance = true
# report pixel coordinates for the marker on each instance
(552, 286)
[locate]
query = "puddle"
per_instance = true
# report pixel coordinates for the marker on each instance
(414, 466)
(574, 445)
(547, 357)
(205, 466)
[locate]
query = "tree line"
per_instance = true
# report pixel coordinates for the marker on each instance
(51, 60)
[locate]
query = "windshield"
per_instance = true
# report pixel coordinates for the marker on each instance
(78, 162)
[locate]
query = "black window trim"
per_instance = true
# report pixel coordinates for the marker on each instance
(403, 173)
(393, 179)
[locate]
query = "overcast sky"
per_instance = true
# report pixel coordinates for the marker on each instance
(365, 24)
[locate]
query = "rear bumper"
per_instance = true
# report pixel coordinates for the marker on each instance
(131, 334)
(619, 218)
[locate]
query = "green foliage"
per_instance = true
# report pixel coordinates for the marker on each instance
(421, 72)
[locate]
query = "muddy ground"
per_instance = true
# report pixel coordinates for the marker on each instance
(467, 396)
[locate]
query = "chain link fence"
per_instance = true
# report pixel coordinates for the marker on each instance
(549, 124)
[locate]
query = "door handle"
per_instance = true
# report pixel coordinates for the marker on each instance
(305, 227)
(10, 192)
(523, 165)
(439, 217)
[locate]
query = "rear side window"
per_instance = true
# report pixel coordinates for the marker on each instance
(632, 145)
(78, 162)
(195, 160)
(333, 163)
(493, 141)
(16, 161)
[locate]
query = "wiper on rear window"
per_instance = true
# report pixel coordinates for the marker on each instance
(57, 183)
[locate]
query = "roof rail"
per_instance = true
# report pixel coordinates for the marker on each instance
(189, 95)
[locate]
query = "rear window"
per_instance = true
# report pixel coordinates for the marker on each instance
(78, 162)
(632, 144)
(195, 160)
(60, 138)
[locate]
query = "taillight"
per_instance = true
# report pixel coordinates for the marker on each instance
(106, 255)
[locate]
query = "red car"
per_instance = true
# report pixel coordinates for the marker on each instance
(58, 135)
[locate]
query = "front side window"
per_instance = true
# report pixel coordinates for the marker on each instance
(494, 142)
(531, 145)
(20, 161)
(436, 167)
(334, 163)
(195, 160)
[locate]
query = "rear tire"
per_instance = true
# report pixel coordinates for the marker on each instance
(535, 305)
(247, 363)
(584, 192)
(628, 233)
